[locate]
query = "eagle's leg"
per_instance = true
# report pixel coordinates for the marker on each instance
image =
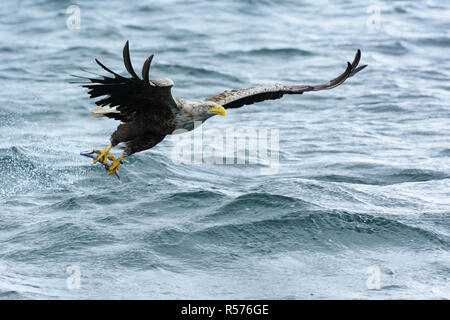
(102, 154)
(115, 165)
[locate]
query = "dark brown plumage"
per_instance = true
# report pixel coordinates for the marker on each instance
(240, 97)
(146, 107)
(148, 112)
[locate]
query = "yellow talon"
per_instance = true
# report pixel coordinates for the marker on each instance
(102, 154)
(115, 165)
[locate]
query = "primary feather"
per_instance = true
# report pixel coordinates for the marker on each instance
(148, 112)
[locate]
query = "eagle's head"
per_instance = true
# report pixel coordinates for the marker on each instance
(208, 109)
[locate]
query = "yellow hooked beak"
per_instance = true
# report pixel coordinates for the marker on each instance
(218, 110)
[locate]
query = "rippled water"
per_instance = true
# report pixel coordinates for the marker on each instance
(361, 192)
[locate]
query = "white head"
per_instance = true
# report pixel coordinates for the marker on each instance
(207, 109)
(161, 82)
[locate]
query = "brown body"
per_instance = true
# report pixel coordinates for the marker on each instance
(148, 112)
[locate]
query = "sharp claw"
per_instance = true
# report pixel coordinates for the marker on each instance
(102, 154)
(103, 157)
(115, 165)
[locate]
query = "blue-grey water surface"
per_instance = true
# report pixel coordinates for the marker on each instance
(362, 191)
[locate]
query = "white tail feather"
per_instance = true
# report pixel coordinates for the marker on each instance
(101, 111)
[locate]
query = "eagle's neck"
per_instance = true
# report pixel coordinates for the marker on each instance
(190, 115)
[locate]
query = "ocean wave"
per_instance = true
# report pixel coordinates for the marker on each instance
(382, 179)
(21, 173)
(57, 239)
(305, 230)
(199, 72)
(363, 172)
(269, 52)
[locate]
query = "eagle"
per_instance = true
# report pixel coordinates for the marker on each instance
(148, 112)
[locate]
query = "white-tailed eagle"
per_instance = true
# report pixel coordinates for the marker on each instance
(148, 112)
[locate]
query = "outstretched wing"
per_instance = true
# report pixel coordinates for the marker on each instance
(127, 96)
(240, 97)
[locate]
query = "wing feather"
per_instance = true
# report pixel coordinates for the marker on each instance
(146, 68)
(127, 61)
(109, 70)
(240, 97)
(131, 95)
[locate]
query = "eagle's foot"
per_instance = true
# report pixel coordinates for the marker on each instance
(115, 165)
(102, 154)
